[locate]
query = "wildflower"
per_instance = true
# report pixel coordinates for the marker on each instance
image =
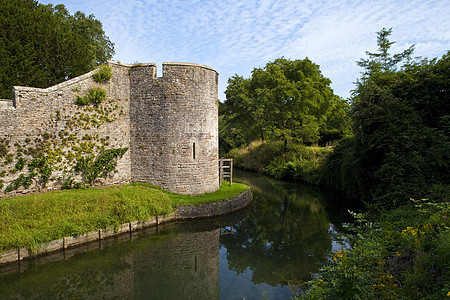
(428, 227)
(418, 252)
(409, 230)
(433, 271)
(339, 254)
(448, 294)
(439, 279)
(397, 253)
(444, 217)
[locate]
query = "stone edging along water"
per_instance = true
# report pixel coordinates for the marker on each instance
(190, 212)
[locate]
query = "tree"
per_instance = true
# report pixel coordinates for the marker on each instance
(400, 111)
(383, 61)
(287, 100)
(42, 45)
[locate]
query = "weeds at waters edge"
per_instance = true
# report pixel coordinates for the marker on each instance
(29, 221)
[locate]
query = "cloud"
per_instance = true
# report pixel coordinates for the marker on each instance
(236, 36)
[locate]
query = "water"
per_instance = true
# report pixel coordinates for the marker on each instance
(262, 251)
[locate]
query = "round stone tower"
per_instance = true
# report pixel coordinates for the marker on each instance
(174, 127)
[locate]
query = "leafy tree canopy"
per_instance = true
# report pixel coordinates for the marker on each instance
(287, 100)
(42, 45)
(401, 114)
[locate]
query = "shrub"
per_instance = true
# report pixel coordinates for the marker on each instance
(404, 255)
(95, 96)
(298, 162)
(104, 73)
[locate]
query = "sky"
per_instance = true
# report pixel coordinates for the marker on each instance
(234, 36)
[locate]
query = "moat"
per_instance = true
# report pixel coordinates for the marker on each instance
(259, 252)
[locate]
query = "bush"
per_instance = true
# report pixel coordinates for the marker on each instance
(298, 162)
(95, 96)
(104, 73)
(256, 156)
(405, 255)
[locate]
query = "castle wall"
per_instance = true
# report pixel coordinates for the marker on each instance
(48, 122)
(174, 127)
(169, 124)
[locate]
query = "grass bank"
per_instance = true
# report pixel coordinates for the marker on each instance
(297, 162)
(31, 220)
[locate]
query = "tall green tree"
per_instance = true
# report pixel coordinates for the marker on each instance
(401, 112)
(287, 100)
(42, 45)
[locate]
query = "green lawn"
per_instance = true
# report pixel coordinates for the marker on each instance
(28, 221)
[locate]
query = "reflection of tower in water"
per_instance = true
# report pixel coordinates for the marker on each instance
(184, 266)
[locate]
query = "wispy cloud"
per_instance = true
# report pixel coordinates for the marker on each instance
(236, 36)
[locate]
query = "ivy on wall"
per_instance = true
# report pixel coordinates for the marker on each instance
(67, 151)
(94, 167)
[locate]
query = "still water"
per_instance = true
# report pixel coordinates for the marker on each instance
(259, 252)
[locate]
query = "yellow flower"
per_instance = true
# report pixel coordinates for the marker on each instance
(339, 254)
(428, 227)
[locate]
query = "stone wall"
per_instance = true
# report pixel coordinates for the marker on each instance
(174, 127)
(160, 120)
(48, 123)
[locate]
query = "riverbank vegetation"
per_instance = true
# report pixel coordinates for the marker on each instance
(29, 221)
(391, 144)
(296, 162)
(404, 255)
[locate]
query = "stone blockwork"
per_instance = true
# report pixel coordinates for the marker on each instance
(174, 127)
(169, 126)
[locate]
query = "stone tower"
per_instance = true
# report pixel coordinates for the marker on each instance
(174, 127)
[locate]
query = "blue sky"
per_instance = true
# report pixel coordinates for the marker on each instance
(234, 36)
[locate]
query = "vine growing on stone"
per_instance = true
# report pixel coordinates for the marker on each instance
(92, 168)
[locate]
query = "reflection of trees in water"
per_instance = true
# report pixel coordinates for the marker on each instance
(284, 236)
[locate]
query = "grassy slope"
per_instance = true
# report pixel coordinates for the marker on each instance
(297, 162)
(31, 220)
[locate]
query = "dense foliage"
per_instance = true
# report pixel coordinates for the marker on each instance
(42, 45)
(400, 150)
(401, 142)
(405, 255)
(297, 162)
(287, 100)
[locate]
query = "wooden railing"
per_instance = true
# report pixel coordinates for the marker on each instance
(226, 169)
